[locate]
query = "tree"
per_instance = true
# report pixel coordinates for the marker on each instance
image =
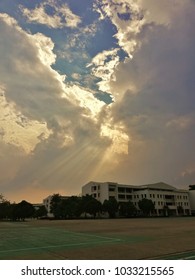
(23, 210)
(63, 208)
(127, 209)
(91, 205)
(56, 206)
(70, 207)
(2, 199)
(40, 212)
(4, 207)
(11, 212)
(111, 206)
(146, 206)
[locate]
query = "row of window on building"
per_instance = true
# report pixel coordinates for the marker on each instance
(112, 188)
(162, 203)
(153, 196)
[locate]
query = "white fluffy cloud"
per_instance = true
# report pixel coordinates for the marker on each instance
(19, 130)
(134, 22)
(103, 66)
(61, 15)
(130, 17)
(127, 17)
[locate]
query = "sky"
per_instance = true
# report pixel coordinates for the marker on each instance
(95, 91)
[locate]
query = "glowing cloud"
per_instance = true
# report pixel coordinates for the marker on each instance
(61, 15)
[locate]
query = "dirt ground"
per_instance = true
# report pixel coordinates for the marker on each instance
(143, 238)
(136, 239)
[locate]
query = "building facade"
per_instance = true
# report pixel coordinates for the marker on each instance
(47, 204)
(192, 198)
(164, 196)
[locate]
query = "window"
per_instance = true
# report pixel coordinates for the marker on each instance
(169, 196)
(112, 188)
(121, 190)
(121, 196)
(112, 185)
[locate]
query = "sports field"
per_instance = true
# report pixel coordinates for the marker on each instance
(106, 239)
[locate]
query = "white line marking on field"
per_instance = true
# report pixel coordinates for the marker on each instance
(91, 235)
(55, 246)
(188, 258)
(9, 238)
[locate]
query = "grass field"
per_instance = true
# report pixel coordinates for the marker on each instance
(120, 239)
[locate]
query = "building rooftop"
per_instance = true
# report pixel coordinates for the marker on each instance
(160, 186)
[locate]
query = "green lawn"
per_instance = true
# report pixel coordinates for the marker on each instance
(25, 240)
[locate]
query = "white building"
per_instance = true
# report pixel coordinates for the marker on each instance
(47, 204)
(192, 198)
(163, 195)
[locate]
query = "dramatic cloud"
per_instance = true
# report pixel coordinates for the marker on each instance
(126, 16)
(156, 89)
(50, 14)
(57, 133)
(104, 65)
(55, 125)
(130, 17)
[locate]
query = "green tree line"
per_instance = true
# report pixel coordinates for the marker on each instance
(19, 211)
(75, 207)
